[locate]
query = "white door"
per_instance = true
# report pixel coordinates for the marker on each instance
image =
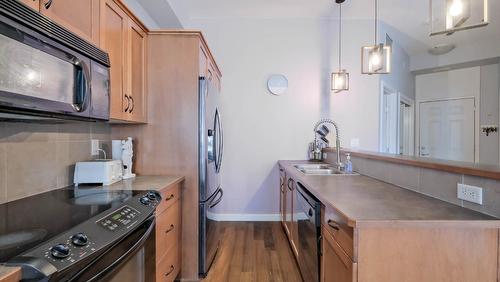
(447, 129)
(389, 123)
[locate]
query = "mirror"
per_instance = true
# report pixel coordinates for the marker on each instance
(441, 99)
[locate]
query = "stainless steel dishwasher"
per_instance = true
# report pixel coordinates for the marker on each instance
(309, 230)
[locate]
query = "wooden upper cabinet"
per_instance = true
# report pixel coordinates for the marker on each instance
(137, 73)
(125, 41)
(34, 4)
(79, 16)
(114, 28)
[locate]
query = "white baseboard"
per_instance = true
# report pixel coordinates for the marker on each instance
(244, 217)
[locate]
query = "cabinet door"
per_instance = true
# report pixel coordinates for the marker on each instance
(282, 195)
(137, 73)
(79, 16)
(114, 28)
(34, 4)
(288, 206)
(336, 265)
(294, 230)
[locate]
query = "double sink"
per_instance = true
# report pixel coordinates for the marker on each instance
(322, 169)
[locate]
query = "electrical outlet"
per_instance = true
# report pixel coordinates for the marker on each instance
(470, 193)
(94, 147)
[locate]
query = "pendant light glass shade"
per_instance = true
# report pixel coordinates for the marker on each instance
(376, 59)
(340, 79)
(450, 16)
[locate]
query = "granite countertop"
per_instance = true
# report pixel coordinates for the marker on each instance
(142, 183)
(363, 199)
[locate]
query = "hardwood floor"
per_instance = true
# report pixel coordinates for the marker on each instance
(254, 251)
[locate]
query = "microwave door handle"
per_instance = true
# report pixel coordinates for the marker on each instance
(83, 87)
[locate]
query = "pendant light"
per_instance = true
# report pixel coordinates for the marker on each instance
(458, 15)
(376, 59)
(340, 79)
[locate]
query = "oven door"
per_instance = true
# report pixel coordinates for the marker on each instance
(39, 76)
(132, 259)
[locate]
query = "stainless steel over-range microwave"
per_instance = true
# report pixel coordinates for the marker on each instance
(48, 71)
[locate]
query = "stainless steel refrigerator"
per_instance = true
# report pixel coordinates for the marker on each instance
(210, 153)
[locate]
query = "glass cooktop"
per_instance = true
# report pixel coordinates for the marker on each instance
(28, 222)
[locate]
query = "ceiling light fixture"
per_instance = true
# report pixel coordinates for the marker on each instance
(340, 79)
(376, 58)
(457, 16)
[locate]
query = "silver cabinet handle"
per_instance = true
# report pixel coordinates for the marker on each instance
(290, 180)
(128, 103)
(333, 225)
(171, 270)
(169, 197)
(170, 229)
(133, 104)
(48, 4)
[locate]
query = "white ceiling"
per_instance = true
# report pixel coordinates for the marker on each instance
(409, 17)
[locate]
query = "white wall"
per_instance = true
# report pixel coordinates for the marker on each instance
(474, 51)
(261, 128)
(142, 14)
(401, 79)
(489, 114)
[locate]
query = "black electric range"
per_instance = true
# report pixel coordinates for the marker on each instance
(68, 226)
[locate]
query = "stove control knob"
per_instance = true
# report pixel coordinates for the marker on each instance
(145, 201)
(59, 251)
(153, 196)
(79, 239)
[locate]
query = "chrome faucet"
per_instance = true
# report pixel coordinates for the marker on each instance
(322, 133)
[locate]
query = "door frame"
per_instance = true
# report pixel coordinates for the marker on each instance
(476, 122)
(405, 99)
(400, 98)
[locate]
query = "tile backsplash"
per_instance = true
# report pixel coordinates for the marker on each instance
(36, 158)
(435, 183)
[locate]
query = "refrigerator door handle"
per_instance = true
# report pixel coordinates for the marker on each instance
(218, 200)
(211, 197)
(218, 140)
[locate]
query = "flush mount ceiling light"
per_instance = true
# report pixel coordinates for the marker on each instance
(441, 49)
(340, 79)
(376, 59)
(458, 15)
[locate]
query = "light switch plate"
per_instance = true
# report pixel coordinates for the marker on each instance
(470, 193)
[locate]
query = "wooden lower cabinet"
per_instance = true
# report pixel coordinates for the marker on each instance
(288, 204)
(168, 268)
(283, 190)
(168, 236)
(336, 265)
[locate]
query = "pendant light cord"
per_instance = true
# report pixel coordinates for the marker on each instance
(376, 20)
(340, 37)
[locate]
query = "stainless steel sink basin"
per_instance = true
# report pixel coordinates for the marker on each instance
(314, 166)
(321, 169)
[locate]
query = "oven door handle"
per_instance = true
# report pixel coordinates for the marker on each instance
(117, 263)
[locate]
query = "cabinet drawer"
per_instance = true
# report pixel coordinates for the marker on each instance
(169, 266)
(168, 230)
(168, 197)
(336, 225)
